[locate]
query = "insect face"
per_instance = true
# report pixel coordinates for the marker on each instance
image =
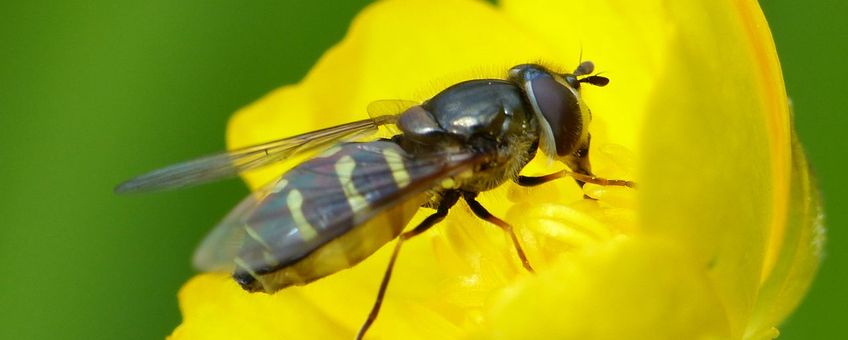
(563, 116)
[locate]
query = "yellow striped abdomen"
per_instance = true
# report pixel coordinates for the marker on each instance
(344, 251)
(330, 213)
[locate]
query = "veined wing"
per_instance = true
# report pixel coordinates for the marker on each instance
(230, 164)
(320, 200)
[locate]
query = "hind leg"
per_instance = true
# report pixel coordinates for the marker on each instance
(448, 200)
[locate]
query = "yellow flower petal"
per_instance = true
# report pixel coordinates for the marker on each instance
(626, 289)
(214, 307)
(800, 254)
(722, 118)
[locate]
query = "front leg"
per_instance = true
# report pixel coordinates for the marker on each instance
(530, 181)
(582, 172)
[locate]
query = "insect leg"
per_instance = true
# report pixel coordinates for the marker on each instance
(448, 200)
(528, 181)
(481, 212)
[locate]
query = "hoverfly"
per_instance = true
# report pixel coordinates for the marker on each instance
(334, 210)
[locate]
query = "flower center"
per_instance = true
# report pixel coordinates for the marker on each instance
(553, 220)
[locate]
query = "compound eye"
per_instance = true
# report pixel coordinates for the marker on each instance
(560, 108)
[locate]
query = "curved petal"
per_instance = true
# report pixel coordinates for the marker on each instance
(800, 254)
(214, 307)
(626, 289)
(709, 98)
(715, 159)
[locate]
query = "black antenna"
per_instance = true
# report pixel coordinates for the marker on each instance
(596, 80)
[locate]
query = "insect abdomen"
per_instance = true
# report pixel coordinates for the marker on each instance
(342, 252)
(319, 218)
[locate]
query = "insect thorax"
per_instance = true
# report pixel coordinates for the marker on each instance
(488, 117)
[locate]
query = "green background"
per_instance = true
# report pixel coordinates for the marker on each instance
(92, 92)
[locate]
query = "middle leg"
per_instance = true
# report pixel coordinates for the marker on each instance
(481, 212)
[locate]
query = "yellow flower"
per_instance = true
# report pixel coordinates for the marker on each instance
(720, 240)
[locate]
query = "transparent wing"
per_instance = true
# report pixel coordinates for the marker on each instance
(312, 203)
(230, 164)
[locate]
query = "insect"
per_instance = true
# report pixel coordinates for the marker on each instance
(334, 210)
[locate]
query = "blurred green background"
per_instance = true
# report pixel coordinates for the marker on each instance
(92, 92)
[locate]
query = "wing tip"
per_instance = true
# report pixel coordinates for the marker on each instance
(127, 187)
(139, 185)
